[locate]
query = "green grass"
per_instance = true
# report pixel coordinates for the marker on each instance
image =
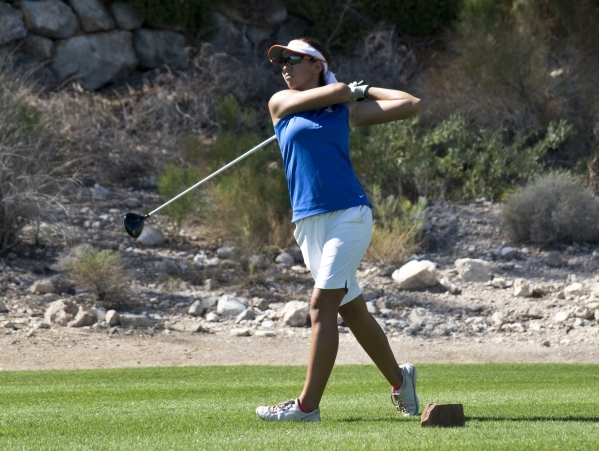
(511, 407)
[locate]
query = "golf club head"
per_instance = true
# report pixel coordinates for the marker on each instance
(134, 224)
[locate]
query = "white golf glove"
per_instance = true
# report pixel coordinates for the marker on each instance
(358, 91)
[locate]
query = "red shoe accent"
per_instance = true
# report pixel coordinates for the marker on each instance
(299, 403)
(397, 387)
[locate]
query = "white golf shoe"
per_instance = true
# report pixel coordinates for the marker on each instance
(406, 399)
(287, 411)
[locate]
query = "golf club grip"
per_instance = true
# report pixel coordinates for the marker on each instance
(228, 165)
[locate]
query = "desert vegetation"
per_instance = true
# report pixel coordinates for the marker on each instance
(508, 85)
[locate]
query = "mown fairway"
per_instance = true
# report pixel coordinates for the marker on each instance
(507, 407)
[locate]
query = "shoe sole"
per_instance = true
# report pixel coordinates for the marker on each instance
(414, 377)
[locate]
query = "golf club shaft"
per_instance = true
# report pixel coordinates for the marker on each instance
(247, 154)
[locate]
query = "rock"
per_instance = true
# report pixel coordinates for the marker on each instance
(444, 415)
(61, 312)
(595, 288)
(560, 317)
(229, 306)
(93, 15)
(267, 324)
(213, 262)
(225, 252)
(199, 261)
(132, 202)
(258, 260)
(50, 297)
(126, 16)
(285, 259)
(372, 308)
(522, 288)
(240, 332)
(3, 308)
(446, 283)
(196, 309)
(499, 282)
(387, 271)
(263, 13)
(418, 316)
(212, 317)
(296, 253)
(43, 286)
(246, 315)
(61, 283)
(554, 259)
(508, 253)
(576, 289)
(264, 333)
(300, 268)
(473, 270)
(83, 318)
(185, 326)
(167, 266)
(42, 49)
(158, 47)
(530, 312)
(295, 313)
(132, 320)
(151, 236)
(112, 318)
(209, 302)
(211, 284)
(416, 274)
(413, 329)
(11, 24)
(583, 312)
(100, 193)
(96, 59)
(497, 319)
(260, 303)
(50, 18)
(99, 314)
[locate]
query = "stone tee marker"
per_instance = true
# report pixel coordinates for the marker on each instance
(444, 415)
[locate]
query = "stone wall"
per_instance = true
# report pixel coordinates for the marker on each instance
(100, 42)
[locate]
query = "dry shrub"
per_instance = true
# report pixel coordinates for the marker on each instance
(101, 271)
(554, 208)
(32, 171)
(520, 64)
(396, 229)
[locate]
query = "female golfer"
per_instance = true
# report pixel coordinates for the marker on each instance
(331, 212)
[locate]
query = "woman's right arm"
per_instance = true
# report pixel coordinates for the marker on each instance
(291, 101)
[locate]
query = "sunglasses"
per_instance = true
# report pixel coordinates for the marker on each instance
(294, 59)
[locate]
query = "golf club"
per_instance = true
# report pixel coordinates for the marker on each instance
(134, 223)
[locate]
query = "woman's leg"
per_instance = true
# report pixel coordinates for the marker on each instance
(324, 307)
(372, 338)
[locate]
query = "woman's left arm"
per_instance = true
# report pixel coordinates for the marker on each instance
(382, 105)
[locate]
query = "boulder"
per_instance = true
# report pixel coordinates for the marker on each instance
(212, 317)
(83, 318)
(262, 13)
(50, 18)
(42, 49)
(418, 316)
(372, 308)
(295, 313)
(158, 47)
(285, 259)
(96, 59)
(229, 306)
(125, 15)
(196, 309)
(583, 312)
(112, 318)
(260, 303)
(246, 315)
(132, 320)
(446, 283)
(240, 332)
(185, 326)
(522, 288)
(99, 313)
(265, 333)
(416, 274)
(61, 312)
(444, 415)
(225, 252)
(12, 26)
(497, 319)
(3, 308)
(575, 289)
(151, 236)
(43, 286)
(93, 15)
(473, 270)
(560, 317)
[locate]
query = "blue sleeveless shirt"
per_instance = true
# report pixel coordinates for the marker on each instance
(315, 148)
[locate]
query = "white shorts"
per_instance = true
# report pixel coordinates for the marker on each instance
(333, 245)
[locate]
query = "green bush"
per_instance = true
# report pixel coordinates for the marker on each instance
(554, 208)
(101, 271)
(396, 228)
(452, 159)
(173, 181)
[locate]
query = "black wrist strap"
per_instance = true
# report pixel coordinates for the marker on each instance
(366, 91)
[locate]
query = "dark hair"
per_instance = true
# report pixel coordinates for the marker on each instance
(325, 52)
